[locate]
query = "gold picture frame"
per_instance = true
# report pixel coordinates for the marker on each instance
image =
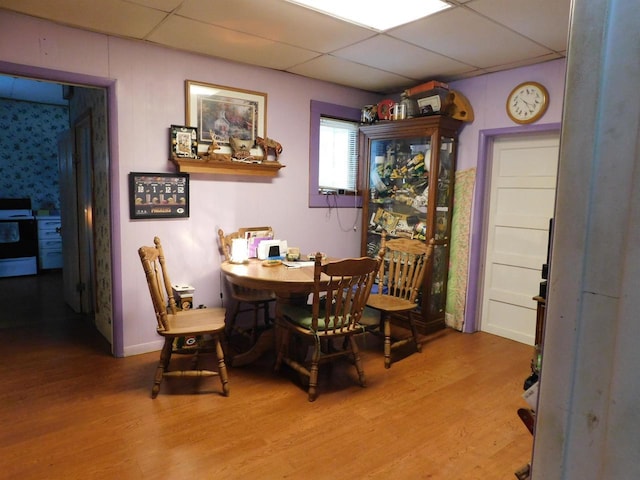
(225, 112)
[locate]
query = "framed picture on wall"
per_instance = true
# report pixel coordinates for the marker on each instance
(221, 113)
(183, 141)
(158, 195)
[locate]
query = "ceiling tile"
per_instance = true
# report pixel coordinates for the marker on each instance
(164, 5)
(402, 58)
(524, 63)
(116, 17)
(544, 21)
(473, 33)
(343, 72)
(185, 34)
(277, 20)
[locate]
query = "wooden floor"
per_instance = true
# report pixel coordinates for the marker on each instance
(70, 410)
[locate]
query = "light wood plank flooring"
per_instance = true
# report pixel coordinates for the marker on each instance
(70, 410)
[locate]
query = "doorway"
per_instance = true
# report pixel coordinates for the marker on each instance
(89, 140)
(521, 200)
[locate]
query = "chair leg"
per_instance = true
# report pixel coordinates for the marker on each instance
(414, 332)
(232, 318)
(357, 361)
(163, 364)
(254, 328)
(267, 318)
(283, 346)
(313, 371)
(387, 342)
(222, 368)
(194, 360)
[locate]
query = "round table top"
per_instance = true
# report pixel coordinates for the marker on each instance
(278, 278)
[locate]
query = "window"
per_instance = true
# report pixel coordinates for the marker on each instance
(338, 154)
(333, 155)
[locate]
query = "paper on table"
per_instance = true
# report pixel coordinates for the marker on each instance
(298, 264)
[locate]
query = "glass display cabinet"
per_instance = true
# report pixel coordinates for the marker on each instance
(409, 167)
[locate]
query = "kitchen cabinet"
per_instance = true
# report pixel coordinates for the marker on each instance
(409, 168)
(49, 242)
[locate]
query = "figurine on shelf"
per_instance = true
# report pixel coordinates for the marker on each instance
(211, 151)
(270, 147)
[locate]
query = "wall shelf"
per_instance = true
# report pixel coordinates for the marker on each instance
(227, 167)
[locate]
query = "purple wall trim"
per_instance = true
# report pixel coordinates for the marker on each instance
(486, 138)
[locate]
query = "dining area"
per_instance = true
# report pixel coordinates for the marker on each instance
(304, 312)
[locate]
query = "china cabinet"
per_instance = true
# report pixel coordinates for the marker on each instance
(409, 167)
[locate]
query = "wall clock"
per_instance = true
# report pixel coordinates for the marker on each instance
(527, 102)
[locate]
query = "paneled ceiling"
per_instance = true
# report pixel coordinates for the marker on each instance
(471, 38)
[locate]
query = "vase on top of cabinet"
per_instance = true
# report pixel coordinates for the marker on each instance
(409, 174)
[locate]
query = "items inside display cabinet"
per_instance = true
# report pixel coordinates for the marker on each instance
(399, 189)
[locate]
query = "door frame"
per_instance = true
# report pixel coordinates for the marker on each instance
(109, 84)
(480, 206)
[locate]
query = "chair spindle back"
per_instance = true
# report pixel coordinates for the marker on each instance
(158, 281)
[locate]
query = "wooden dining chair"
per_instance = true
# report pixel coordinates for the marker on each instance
(340, 293)
(246, 299)
(173, 323)
(398, 284)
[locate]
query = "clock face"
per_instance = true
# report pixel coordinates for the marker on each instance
(527, 102)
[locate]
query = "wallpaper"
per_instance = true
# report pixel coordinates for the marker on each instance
(29, 153)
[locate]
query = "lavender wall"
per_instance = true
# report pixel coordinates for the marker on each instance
(487, 94)
(146, 96)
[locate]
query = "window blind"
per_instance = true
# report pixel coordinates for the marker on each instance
(338, 165)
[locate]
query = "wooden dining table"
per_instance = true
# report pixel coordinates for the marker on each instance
(290, 284)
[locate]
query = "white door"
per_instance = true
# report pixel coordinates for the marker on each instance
(522, 198)
(69, 221)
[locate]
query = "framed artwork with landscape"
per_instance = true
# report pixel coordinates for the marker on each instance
(221, 113)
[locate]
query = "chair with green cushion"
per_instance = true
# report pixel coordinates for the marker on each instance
(341, 290)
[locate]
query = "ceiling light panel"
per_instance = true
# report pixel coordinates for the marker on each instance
(380, 16)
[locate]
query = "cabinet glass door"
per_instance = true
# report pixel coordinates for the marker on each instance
(399, 189)
(437, 298)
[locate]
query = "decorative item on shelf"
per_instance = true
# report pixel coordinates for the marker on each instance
(398, 111)
(425, 89)
(213, 154)
(183, 141)
(527, 102)
(241, 151)
(430, 96)
(369, 114)
(270, 148)
(457, 106)
(384, 109)
(411, 105)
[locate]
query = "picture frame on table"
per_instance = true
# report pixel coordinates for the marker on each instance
(183, 141)
(220, 113)
(158, 195)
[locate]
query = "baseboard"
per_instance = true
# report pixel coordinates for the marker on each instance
(143, 348)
